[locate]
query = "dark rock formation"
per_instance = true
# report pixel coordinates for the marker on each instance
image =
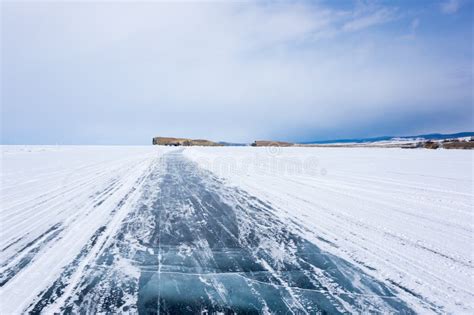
(183, 142)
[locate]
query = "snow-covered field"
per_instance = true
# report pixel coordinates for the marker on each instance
(129, 229)
(405, 216)
(53, 200)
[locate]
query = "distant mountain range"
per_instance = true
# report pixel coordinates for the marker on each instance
(432, 136)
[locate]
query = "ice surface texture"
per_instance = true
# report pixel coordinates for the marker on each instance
(149, 230)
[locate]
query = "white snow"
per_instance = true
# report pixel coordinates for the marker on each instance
(75, 187)
(404, 216)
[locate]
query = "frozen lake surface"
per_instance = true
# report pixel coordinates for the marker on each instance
(245, 230)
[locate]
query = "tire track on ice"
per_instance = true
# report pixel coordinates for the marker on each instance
(180, 241)
(338, 231)
(22, 289)
(26, 254)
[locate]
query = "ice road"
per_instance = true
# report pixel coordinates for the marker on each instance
(148, 231)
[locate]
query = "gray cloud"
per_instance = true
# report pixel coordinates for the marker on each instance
(98, 72)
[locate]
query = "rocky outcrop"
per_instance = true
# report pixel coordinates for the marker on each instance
(457, 144)
(450, 144)
(183, 142)
(431, 145)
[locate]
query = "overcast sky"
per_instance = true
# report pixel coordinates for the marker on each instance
(120, 73)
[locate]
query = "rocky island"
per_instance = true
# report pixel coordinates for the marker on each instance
(184, 142)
